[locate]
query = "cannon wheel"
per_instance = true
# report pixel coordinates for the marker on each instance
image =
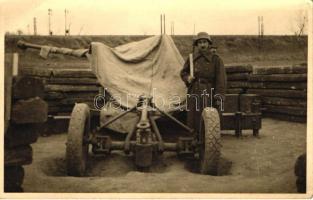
(210, 136)
(76, 147)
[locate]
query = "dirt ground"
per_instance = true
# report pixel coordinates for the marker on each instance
(259, 165)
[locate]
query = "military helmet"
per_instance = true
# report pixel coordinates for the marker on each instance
(202, 35)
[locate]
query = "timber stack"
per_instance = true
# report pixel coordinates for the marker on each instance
(283, 91)
(237, 78)
(65, 87)
(25, 112)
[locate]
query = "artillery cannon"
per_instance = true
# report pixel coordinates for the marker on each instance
(145, 139)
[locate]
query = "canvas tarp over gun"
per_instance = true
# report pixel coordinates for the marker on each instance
(45, 50)
(145, 67)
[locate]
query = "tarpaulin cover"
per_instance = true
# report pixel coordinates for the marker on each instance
(150, 67)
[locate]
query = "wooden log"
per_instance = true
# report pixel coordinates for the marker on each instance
(54, 95)
(13, 178)
(246, 101)
(69, 101)
(36, 71)
(73, 73)
(238, 68)
(288, 110)
(73, 81)
(231, 103)
(237, 84)
(26, 87)
(8, 79)
(291, 118)
(284, 101)
(33, 110)
(21, 155)
(238, 76)
(278, 78)
(279, 93)
(53, 72)
(234, 90)
(281, 70)
(278, 85)
(62, 95)
(71, 88)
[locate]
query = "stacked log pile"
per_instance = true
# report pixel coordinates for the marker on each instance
(25, 111)
(237, 78)
(65, 87)
(283, 91)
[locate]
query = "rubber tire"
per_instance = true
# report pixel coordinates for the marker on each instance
(76, 148)
(210, 136)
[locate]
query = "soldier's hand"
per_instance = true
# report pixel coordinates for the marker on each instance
(190, 79)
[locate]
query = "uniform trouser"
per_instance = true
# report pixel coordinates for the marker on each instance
(200, 95)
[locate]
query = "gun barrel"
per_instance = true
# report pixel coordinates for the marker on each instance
(24, 45)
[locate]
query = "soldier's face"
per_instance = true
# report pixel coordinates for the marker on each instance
(203, 44)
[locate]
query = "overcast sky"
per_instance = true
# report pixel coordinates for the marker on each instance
(137, 17)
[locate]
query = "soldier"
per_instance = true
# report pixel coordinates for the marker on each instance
(208, 82)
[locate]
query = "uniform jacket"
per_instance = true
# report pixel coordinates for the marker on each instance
(209, 73)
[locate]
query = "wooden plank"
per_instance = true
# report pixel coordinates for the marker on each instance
(279, 93)
(238, 68)
(26, 87)
(288, 110)
(281, 70)
(20, 134)
(69, 101)
(54, 95)
(279, 77)
(73, 73)
(291, 118)
(21, 155)
(234, 90)
(36, 71)
(284, 101)
(71, 88)
(73, 81)
(60, 73)
(237, 76)
(7, 90)
(63, 95)
(237, 84)
(278, 85)
(33, 110)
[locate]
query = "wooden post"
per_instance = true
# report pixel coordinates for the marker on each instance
(161, 25)
(7, 89)
(15, 64)
(238, 130)
(191, 65)
(164, 24)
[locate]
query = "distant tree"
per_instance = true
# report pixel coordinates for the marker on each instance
(299, 24)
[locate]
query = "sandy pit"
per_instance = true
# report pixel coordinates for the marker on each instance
(259, 165)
